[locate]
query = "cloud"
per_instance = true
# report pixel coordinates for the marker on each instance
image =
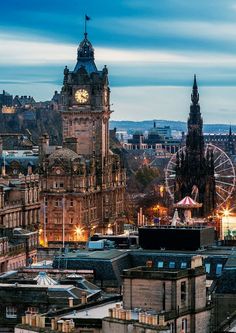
(149, 27)
(21, 52)
(28, 52)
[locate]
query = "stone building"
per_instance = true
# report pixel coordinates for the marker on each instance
(83, 182)
(178, 295)
(19, 221)
(5, 99)
(227, 142)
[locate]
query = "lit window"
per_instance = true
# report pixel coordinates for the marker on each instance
(183, 264)
(11, 312)
(171, 264)
(218, 269)
(208, 268)
(160, 264)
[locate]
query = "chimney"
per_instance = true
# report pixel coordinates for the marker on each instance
(59, 325)
(71, 302)
(83, 297)
(29, 170)
(71, 143)
(162, 320)
(53, 324)
(43, 144)
(196, 261)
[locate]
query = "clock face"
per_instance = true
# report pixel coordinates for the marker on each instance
(81, 96)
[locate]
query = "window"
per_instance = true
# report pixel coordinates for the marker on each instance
(71, 202)
(160, 264)
(208, 268)
(183, 264)
(58, 203)
(11, 312)
(58, 219)
(183, 291)
(171, 264)
(218, 269)
(58, 185)
(184, 325)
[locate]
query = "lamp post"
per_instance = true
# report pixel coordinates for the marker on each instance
(226, 214)
(63, 222)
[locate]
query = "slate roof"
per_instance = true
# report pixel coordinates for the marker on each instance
(227, 282)
(109, 264)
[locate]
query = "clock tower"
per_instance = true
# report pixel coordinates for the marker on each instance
(86, 108)
(83, 182)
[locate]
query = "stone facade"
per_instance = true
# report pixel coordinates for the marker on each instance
(19, 221)
(83, 183)
(180, 295)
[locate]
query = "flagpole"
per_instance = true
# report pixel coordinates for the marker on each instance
(85, 25)
(44, 221)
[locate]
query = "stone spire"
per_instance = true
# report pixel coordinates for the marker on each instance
(195, 94)
(195, 169)
(194, 139)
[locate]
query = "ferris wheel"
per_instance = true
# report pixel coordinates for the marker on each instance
(224, 174)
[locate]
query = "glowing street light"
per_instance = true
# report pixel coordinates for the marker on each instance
(78, 232)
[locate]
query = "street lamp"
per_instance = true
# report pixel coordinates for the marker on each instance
(78, 232)
(226, 214)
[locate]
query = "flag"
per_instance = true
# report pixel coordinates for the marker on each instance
(87, 18)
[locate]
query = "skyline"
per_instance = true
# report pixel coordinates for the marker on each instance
(152, 51)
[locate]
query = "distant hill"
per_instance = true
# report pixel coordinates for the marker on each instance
(132, 126)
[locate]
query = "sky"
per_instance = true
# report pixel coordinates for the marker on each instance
(152, 50)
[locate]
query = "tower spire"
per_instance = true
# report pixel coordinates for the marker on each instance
(195, 94)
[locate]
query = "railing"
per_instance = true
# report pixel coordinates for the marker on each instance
(13, 204)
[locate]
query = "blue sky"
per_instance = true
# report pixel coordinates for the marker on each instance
(152, 49)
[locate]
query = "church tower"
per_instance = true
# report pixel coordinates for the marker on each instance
(86, 108)
(230, 143)
(194, 167)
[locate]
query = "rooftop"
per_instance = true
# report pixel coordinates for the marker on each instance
(98, 311)
(144, 272)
